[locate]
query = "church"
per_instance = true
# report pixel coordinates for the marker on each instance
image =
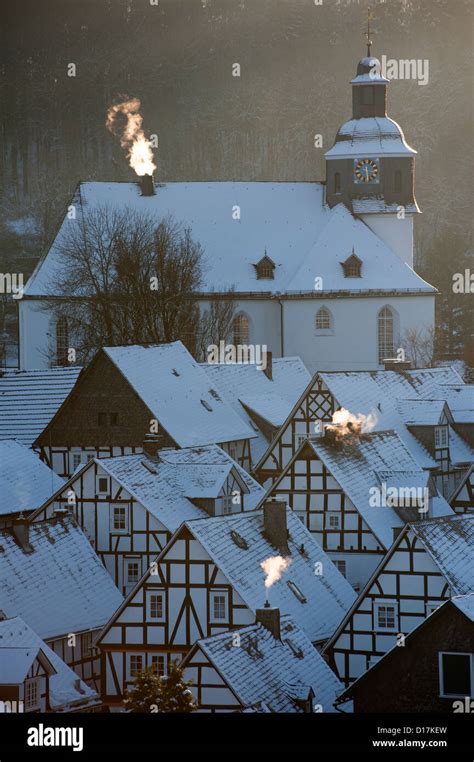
(319, 270)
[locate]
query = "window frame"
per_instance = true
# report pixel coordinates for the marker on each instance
(341, 562)
(127, 561)
(98, 479)
(241, 337)
(330, 515)
(213, 594)
(226, 500)
(119, 506)
(442, 692)
(31, 682)
(328, 328)
(377, 604)
(441, 432)
(383, 321)
(156, 592)
(132, 673)
(154, 658)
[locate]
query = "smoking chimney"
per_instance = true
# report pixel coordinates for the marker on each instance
(269, 365)
(147, 186)
(151, 445)
(274, 525)
(270, 618)
(21, 533)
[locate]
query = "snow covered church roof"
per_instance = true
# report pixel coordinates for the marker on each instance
(19, 646)
(371, 136)
(60, 586)
(285, 219)
(267, 673)
(30, 398)
(179, 394)
(25, 481)
(237, 545)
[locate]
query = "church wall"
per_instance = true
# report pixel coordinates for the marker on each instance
(34, 327)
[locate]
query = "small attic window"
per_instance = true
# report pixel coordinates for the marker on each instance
(265, 268)
(175, 372)
(215, 395)
(206, 405)
(294, 648)
(352, 266)
(239, 540)
(296, 591)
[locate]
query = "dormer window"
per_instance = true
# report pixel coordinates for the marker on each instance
(265, 268)
(441, 437)
(352, 266)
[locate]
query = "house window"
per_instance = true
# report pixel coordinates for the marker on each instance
(219, 605)
(385, 334)
(103, 485)
(156, 605)
(86, 644)
(333, 521)
(158, 665)
(227, 504)
(341, 566)
(102, 419)
(441, 436)
(131, 571)
(62, 341)
(397, 181)
(323, 319)
(136, 664)
(241, 329)
(337, 182)
(352, 267)
(456, 674)
(31, 693)
(76, 460)
(385, 616)
(119, 518)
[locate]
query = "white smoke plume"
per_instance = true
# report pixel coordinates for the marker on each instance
(125, 121)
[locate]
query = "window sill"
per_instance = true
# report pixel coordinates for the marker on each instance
(324, 332)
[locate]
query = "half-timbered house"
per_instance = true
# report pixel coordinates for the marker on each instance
(432, 673)
(414, 403)
(269, 666)
(354, 492)
(25, 482)
(429, 562)
(33, 678)
(52, 578)
(208, 580)
(462, 499)
(130, 505)
(262, 398)
(127, 393)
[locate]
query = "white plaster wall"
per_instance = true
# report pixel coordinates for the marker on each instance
(396, 233)
(352, 345)
(34, 327)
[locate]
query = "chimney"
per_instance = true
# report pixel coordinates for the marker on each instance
(268, 365)
(274, 525)
(270, 618)
(147, 186)
(21, 533)
(151, 445)
(393, 363)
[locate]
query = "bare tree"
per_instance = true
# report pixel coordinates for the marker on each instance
(418, 344)
(127, 280)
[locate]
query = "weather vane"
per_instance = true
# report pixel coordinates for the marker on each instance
(367, 33)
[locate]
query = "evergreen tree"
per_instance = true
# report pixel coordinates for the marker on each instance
(152, 693)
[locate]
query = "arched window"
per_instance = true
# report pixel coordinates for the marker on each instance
(337, 182)
(323, 319)
(62, 340)
(386, 333)
(397, 181)
(241, 329)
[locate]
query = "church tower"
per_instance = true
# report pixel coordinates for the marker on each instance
(371, 168)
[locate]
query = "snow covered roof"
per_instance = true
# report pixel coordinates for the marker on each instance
(361, 464)
(381, 391)
(19, 644)
(179, 394)
(419, 412)
(245, 386)
(61, 586)
(460, 398)
(25, 481)
(271, 672)
(450, 542)
(285, 219)
(323, 599)
(166, 488)
(465, 603)
(30, 398)
(371, 136)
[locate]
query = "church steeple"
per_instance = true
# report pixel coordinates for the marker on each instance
(370, 168)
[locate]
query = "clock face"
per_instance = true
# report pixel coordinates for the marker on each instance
(366, 171)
